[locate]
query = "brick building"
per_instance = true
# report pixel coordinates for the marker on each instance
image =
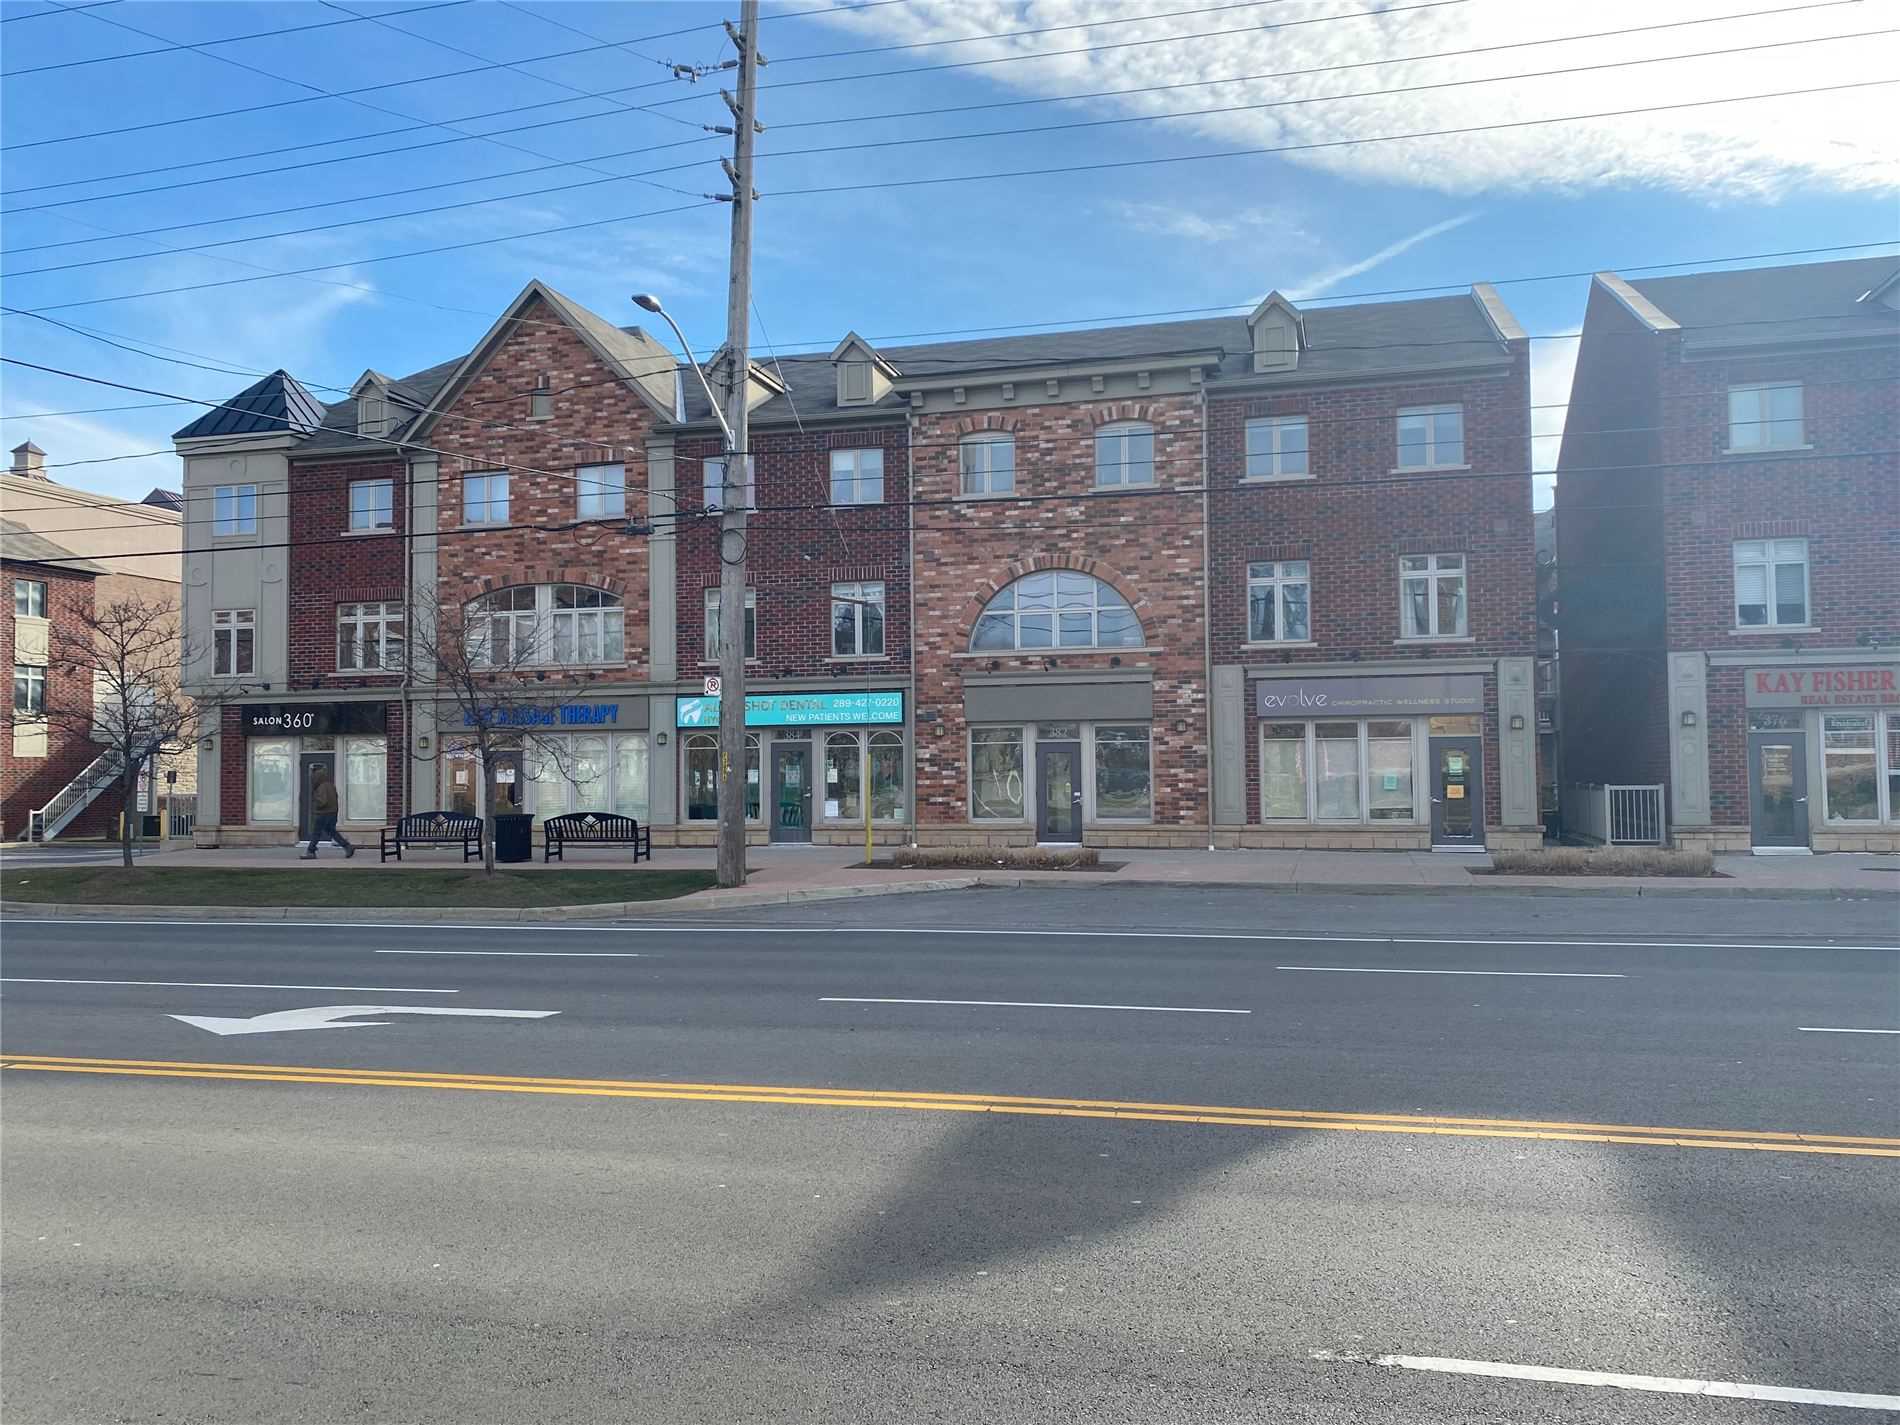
(981, 600)
(1729, 542)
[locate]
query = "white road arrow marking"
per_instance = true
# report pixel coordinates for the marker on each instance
(328, 1017)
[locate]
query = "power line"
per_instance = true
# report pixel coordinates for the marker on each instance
(57, 10)
(836, 148)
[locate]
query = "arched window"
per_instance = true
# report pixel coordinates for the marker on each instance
(534, 624)
(1125, 454)
(701, 775)
(1056, 609)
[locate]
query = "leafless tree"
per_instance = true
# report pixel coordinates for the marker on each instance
(132, 652)
(485, 667)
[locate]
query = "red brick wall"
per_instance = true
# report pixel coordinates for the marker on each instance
(234, 766)
(795, 556)
(27, 783)
(1353, 520)
(1148, 546)
(330, 566)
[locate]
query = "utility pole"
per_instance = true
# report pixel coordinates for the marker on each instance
(733, 780)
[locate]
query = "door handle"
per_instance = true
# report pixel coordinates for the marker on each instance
(1801, 799)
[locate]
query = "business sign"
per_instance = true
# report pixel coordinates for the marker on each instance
(294, 719)
(801, 709)
(605, 714)
(1823, 685)
(1401, 695)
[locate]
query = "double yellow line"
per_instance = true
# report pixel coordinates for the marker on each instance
(1758, 1140)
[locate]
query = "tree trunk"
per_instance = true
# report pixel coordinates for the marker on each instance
(488, 809)
(129, 810)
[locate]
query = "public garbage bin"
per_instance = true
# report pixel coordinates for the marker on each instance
(514, 836)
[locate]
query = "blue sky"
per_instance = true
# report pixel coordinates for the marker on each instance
(1335, 218)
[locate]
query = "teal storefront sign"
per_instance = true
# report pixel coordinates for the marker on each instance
(801, 710)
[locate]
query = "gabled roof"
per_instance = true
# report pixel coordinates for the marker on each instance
(1775, 306)
(854, 343)
(19, 543)
(275, 404)
(1268, 303)
(369, 380)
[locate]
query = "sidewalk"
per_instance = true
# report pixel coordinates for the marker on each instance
(781, 874)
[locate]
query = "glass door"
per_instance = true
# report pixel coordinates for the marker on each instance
(791, 791)
(1059, 791)
(1778, 788)
(1457, 793)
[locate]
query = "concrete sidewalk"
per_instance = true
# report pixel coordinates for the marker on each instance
(781, 874)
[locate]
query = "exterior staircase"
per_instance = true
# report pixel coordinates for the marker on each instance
(73, 798)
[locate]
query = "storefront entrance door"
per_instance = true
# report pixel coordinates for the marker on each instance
(1457, 793)
(1059, 791)
(791, 791)
(307, 767)
(1778, 788)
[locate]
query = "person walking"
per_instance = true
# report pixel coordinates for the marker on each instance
(323, 817)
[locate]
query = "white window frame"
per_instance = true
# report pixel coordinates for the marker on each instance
(35, 593)
(709, 647)
(854, 597)
(600, 491)
(368, 627)
(225, 627)
(33, 675)
(1882, 724)
(1270, 462)
(1278, 580)
(287, 747)
(1025, 741)
(1774, 556)
(538, 627)
(1420, 771)
(373, 513)
(1124, 468)
(378, 813)
(1434, 575)
(233, 511)
(1776, 437)
(1092, 774)
(706, 740)
(853, 477)
(1427, 455)
(481, 505)
(979, 473)
(1054, 611)
(713, 482)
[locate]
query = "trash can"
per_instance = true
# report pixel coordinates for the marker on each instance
(514, 836)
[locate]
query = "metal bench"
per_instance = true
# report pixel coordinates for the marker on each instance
(435, 828)
(595, 828)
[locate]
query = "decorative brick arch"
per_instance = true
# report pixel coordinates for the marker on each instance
(550, 574)
(1111, 412)
(987, 421)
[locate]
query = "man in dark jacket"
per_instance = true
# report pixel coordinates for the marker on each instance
(323, 817)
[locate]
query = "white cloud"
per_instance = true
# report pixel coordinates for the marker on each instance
(1171, 220)
(1319, 283)
(1756, 149)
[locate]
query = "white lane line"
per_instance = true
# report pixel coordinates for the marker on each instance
(533, 954)
(1525, 974)
(1819, 1029)
(222, 985)
(1669, 1385)
(1028, 1004)
(630, 928)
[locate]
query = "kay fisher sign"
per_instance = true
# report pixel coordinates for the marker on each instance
(1824, 685)
(801, 710)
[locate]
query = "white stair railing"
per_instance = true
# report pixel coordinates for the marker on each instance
(73, 798)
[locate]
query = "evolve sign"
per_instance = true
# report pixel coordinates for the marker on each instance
(1822, 686)
(1401, 695)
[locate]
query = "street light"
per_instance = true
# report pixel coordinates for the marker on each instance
(647, 302)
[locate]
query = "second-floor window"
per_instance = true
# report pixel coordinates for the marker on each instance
(1431, 436)
(1771, 583)
(857, 477)
(234, 509)
(1056, 609)
(751, 624)
(601, 491)
(29, 690)
(1276, 448)
(1432, 596)
(988, 463)
(29, 598)
(1125, 454)
(1279, 601)
(713, 491)
(369, 637)
(233, 643)
(485, 497)
(535, 624)
(857, 620)
(372, 504)
(1766, 416)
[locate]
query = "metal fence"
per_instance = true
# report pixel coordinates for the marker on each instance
(181, 815)
(1615, 815)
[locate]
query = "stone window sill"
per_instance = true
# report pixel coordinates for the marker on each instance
(1413, 642)
(1426, 469)
(1270, 645)
(1770, 630)
(383, 529)
(1037, 653)
(480, 526)
(1747, 450)
(859, 658)
(990, 495)
(1276, 479)
(714, 662)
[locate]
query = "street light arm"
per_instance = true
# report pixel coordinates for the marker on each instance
(653, 306)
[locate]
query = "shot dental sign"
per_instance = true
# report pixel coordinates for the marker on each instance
(1401, 695)
(801, 710)
(1823, 685)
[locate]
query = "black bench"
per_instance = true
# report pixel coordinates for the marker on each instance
(435, 828)
(595, 828)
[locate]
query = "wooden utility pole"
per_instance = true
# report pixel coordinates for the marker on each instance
(733, 781)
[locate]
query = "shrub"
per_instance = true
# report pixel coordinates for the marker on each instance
(1604, 861)
(1016, 858)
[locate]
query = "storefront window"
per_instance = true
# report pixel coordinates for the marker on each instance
(702, 776)
(589, 777)
(1847, 752)
(1283, 770)
(365, 763)
(630, 777)
(1338, 764)
(842, 757)
(462, 778)
(1123, 785)
(887, 776)
(1339, 771)
(1389, 771)
(1893, 766)
(996, 773)
(270, 779)
(549, 787)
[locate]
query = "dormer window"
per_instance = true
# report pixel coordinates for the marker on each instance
(854, 382)
(864, 377)
(1278, 334)
(541, 398)
(374, 416)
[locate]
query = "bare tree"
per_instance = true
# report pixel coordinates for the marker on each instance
(485, 665)
(133, 653)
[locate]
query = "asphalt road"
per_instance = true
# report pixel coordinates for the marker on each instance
(760, 1204)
